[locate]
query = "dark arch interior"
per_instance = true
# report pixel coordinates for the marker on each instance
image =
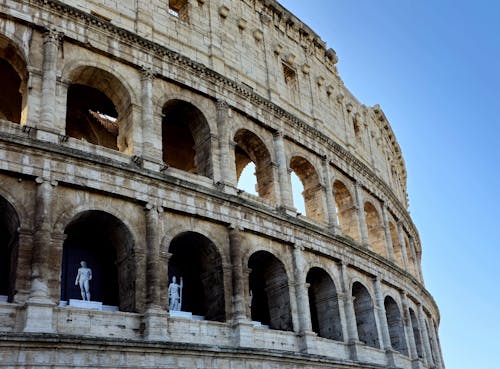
(9, 223)
(196, 259)
(268, 282)
(105, 243)
(323, 303)
(395, 324)
(416, 334)
(186, 138)
(10, 95)
(91, 116)
(365, 316)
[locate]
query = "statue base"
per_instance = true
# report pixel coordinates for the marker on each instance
(83, 304)
(185, 315)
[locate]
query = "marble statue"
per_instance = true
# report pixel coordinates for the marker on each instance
(175, 295)
(83, 279)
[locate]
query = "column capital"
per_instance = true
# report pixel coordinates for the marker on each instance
(221, 105)
(41, 180)
(279, 134)
(235, 227)
(52, 35)
(147, 73)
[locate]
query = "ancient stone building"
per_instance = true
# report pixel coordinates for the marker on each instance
(124, 129)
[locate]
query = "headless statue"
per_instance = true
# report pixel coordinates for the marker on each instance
(175, 295)
(83, 279)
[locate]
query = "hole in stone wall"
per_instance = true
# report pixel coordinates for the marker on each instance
(376, 234)
(250, 150)
(9, 223)
(395, 325)
(270, 297)
(196, 260)
(313, 190)
(365, 317)
(179, 9)
(107, 246)
(323, 303)
(186, 138)
(346, 210)
(247, 180)
(91, 117)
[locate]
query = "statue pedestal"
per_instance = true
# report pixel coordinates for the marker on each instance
(185, 315)
(94, 305)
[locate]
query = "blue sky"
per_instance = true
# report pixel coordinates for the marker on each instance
(434, 67)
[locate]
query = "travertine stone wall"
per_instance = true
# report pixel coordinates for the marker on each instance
(198, 96)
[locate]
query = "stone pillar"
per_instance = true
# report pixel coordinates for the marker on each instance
(425, 337)
(333, 222)
(418, 272)
(39, 306)
(151, 150)
(383, 326)
(285, 185)
(341, 297)
(363, 228)
(351, 326)
(409, 328)
(235, 250)
(403, 245)
(227, 178)
(437, 346)
(51, 41)
(387, 232)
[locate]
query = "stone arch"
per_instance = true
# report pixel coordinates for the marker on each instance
(250, 148)
(313, 189)
(365, 315)
(324, 305)
(99, 108)
(346, 210)
(417, 337)
(186, 138)
(14, 78)
(376, 235)
(196, 259)
(396, 245)
(270, 296)
(395, 325)
(9, 245)
(108, 247)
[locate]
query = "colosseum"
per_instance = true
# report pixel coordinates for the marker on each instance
(125, 127)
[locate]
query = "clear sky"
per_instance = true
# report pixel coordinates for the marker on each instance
(434, 67)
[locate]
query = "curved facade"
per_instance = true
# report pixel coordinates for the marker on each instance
(124, 130)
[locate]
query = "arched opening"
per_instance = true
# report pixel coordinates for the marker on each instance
(324, 306)
(99, 109)
(416, 333)
(186, 138)
(250, 149)
(376, 235)
(197, 261)
(395, 325)
(14, 81)
(346, 210)
(270, 296)
(9, 224)
(411, 259)
(396, 246)
(313, 190)
(107, 246)
(365, 316)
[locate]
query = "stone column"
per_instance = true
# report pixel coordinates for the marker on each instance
(425, 337)
(330, 200)
(39, 306)
(363, 228)
(301, 290)
(283, 177)
(403, 245)
(383, 326)
(418, 272)
(412, 346)
(352, 329)
(51, 41)
(341, 298)
(151, 151)
(226, 176)
(235, 250)
(437, 346)
(387, 232)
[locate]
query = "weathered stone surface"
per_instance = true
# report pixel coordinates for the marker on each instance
(124, 129)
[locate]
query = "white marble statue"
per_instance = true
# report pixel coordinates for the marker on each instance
(83, 279)
(175, 295)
